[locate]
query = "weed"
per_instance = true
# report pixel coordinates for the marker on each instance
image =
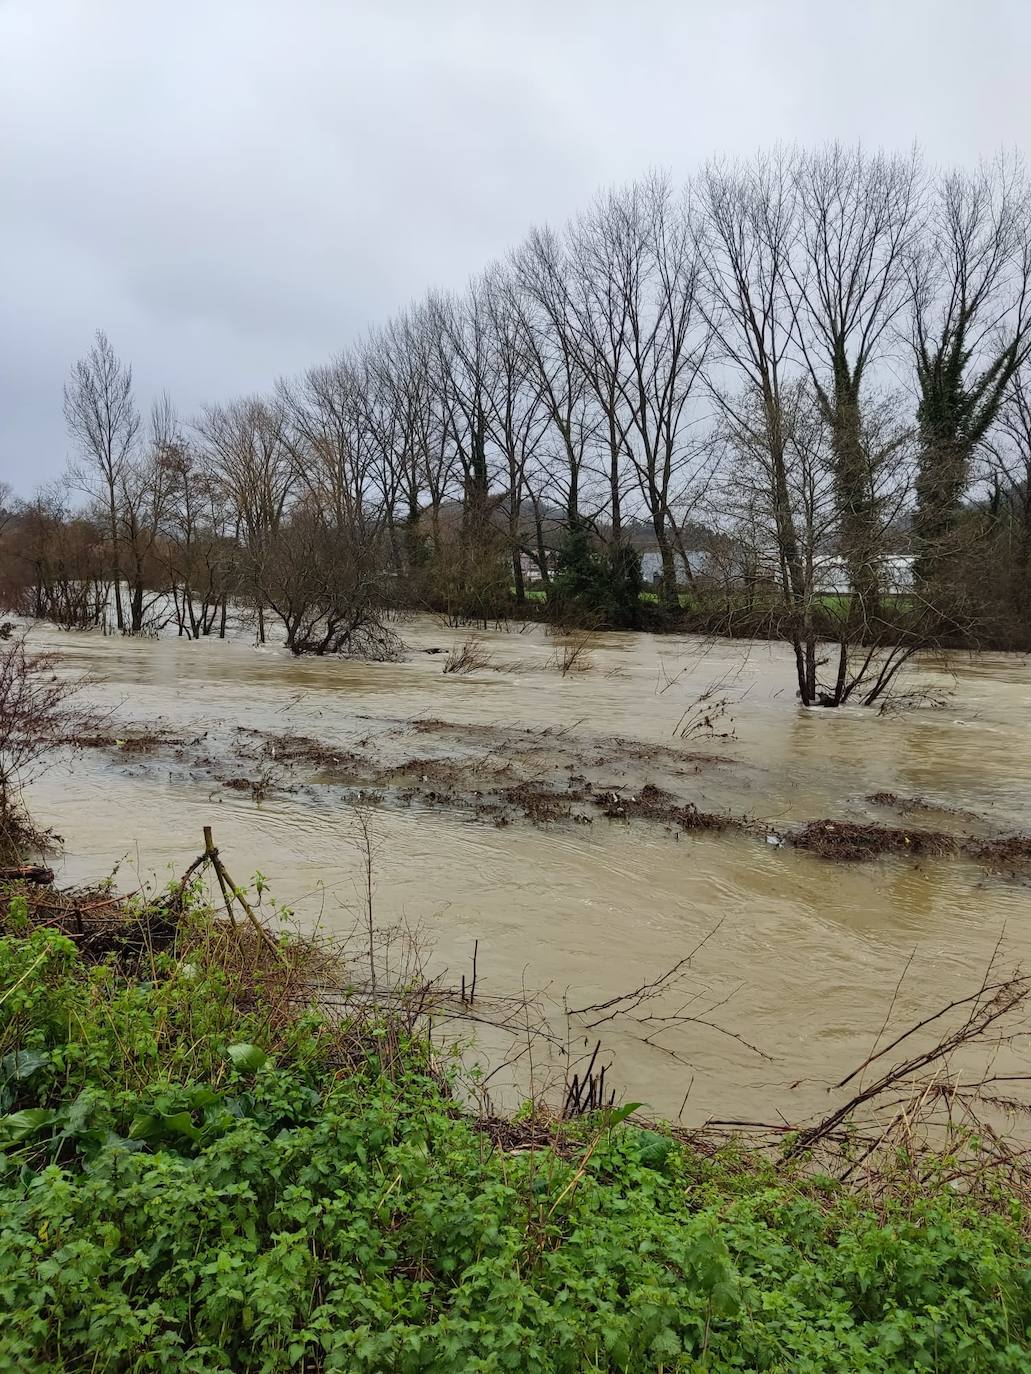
(469, 658)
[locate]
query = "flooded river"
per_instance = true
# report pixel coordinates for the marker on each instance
(805, 953)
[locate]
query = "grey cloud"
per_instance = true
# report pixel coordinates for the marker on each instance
(236, 190)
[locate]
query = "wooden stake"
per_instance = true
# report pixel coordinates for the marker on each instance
(229, 887)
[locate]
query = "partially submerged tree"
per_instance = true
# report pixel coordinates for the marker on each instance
(56, 564)
(648, 341)
(858, 214)
(103, 421)
(326, 586)
(747, 229)
(198, 551)
(250, 461)
(144, 494)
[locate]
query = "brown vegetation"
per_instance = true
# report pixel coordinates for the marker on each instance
(36, 718)
(1008, 854)
(470, 657)
(850, 841)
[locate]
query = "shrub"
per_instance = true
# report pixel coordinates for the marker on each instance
(599, 585)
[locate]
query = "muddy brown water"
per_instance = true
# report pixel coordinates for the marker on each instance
(807, 954)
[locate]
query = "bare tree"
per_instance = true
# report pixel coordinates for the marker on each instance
(326, 586)
(394, 410)
(747, 231)
(6, 505)
(251, 461)
(515, 411)
(642, 239)
(1011, 464)
(859, 667)
(995, 561)
(144, 491)
(326, 427)
(56, 564)
(858, 215)
(103, 421)
(547, 332)
(196, 548)
(466, 373)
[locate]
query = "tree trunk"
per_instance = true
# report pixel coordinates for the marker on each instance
(942, 477)
(116, 565)
(517, 577)
(856, 512)
(670, 596)
(136, 605)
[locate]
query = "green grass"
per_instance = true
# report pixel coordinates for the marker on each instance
(836, 604)
(191, 1183)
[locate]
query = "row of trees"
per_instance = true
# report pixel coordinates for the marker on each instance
(820, 357)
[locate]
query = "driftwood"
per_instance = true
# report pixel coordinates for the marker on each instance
(991, 1003)
(27, 873)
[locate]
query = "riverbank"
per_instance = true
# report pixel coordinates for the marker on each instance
(760, 615)
(207, 1168)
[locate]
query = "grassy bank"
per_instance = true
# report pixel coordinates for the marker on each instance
(200, 1175)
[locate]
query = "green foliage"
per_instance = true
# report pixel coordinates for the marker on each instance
(597, 585)
(184, 1189)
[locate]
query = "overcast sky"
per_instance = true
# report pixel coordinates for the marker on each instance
(235, 189)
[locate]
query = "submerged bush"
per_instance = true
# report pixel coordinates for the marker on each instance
(190, 1185)
(595, 584)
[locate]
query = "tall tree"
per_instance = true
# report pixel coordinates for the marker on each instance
(747, 230)
(102, 419)
(642, 238)
(467, 363)
(515, 411)
(249, 457)
(547, 327)
(969, 274)
(858, 215)
(144, 491)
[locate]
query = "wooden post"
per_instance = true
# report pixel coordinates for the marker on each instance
(229, 887)
(211, 855)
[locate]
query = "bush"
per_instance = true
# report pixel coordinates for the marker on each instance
(36, 721)
(596, 585)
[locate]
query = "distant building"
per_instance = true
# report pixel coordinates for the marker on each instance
(896, 573)
(651, 564)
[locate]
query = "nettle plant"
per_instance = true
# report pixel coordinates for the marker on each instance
(191, 1181)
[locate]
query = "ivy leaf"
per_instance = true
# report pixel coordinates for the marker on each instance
(163, 1126)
